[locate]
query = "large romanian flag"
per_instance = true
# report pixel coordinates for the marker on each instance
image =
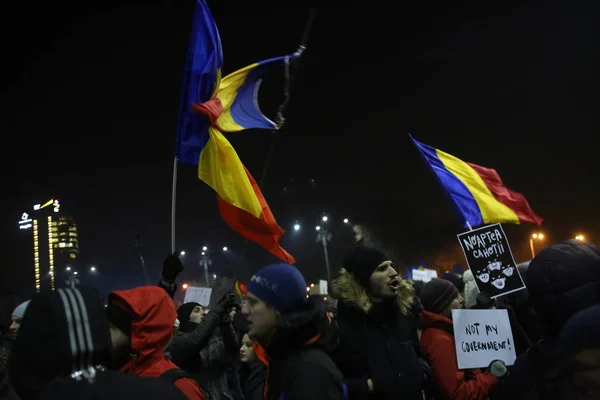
(477, 192)
(211, 105)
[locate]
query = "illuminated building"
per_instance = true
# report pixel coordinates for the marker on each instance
(65, 241)
(55, 241)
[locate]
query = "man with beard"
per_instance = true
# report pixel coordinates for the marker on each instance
(379, 351)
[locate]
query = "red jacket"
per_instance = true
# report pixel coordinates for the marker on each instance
(437, 344)
(153, 315)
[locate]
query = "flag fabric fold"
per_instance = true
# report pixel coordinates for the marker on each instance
(263, 230)
(201, 78)
(478, 193)
(239, 94)
(211, 105)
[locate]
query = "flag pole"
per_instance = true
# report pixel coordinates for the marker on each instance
(290, 74)
(173, 203)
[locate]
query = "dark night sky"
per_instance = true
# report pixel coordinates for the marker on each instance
(90, 100)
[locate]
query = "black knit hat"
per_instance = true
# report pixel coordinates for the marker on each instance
(183, 314)
(362, 261)
(437, 294)
(62, 331)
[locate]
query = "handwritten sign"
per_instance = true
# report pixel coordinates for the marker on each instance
(482, 336)
(490, 259)
(424, 275)
(199, 295)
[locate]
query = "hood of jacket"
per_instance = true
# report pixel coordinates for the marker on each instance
(430, 320)
(347, 289)
(152, 317)
(62, 332)
(308, 327)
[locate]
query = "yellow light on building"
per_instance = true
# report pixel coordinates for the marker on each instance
(36, 256)
(50, 253)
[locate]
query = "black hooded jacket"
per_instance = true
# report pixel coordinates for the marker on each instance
(252, 380)
(299, 366)
(378, 342)
(61, 350)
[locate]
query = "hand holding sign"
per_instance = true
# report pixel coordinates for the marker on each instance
(482, 336)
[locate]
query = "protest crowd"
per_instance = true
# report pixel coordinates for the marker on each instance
(383, 337)
(499, 331)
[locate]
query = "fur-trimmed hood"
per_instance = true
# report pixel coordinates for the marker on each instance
(346, 288)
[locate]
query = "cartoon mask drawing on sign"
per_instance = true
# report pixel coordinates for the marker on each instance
(508, 271)
(495, 265)
(483, 275)
(499, 283)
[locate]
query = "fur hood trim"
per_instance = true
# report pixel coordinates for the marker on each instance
(346, 288)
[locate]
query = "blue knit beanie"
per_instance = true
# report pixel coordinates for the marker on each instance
(281, 286)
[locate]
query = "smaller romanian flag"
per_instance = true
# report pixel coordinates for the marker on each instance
(477, 192)
(241, 289)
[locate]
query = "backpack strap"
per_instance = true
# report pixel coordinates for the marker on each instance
(174, 375)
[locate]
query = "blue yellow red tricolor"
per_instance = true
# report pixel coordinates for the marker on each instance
(478, 193)
(211, 105)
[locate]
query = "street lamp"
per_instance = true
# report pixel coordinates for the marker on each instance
(346, 221)
(296, 227)
(580, 237)
(93, 269)
(205, 262)
(182, 253)
(225, 248)
(184, 286)
(535, 236)
(323, 236)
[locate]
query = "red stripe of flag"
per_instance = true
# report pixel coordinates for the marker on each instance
(513, 200)
(264, 230)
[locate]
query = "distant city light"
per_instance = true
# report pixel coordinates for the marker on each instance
(182, 253)
(325, 218)
(297, 227)
(184, 286)
(204, 248)
(225, 248)
(346, 220)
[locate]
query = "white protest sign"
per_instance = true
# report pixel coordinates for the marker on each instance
(424, 275)
(419, 275)
(431, 273)
(199, 295)
(482, 336)
(322, 287)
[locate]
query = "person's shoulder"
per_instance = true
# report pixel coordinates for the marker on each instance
(314, 361)
(112, 385)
